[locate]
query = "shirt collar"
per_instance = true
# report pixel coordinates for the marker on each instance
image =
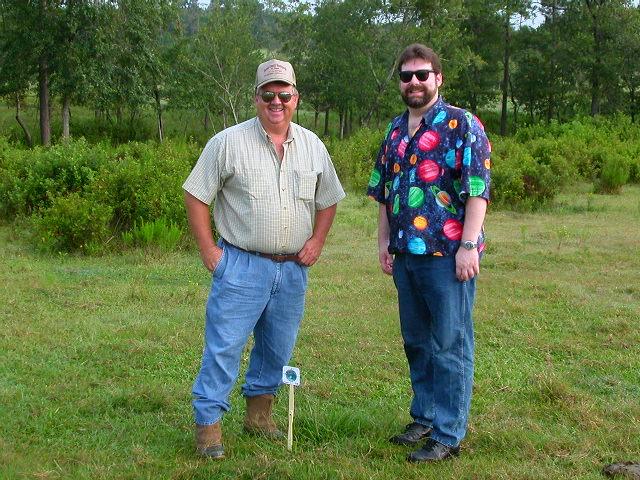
(433, 110)
(265, 136)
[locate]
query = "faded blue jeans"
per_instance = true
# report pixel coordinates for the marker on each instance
(437, 329)
(248, 294)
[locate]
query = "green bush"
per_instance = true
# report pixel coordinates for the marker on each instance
(144, 182)
(614, 174)
(31, 179)
(72, 223)
(518, 181)
(355, 157)
(158, 233)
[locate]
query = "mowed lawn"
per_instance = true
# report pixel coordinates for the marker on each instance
(97, 357)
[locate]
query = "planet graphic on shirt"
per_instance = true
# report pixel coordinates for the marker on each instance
(428, 171)
(396, 167)
(413, 159)
(387, 189)
(487, 163)
(466, 156)
(420, 222)
(417, 246)
(396, 204)
(429, 140)
(374, 180)
(476, 186)
(453, 158)
(452, 229)
(443, 199)
(395, 133)
(396, 182)
(402, 147)
(440, 117)
(416, 197)
(453, 123)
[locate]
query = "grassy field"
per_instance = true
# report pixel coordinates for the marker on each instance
(97, 356)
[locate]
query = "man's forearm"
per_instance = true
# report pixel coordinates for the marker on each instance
(323, 221)
(199, 221)
(383, 228)
(475, 211)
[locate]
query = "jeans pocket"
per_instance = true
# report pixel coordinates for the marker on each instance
(219, 268)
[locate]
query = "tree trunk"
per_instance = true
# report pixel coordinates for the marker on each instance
(25, 129)
(159, 111)
(43, 91)
(505, 75)
(66, 109)
(341, 115)
(207, 119)
(326, 123)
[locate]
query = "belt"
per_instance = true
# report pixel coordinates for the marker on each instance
(280, 258)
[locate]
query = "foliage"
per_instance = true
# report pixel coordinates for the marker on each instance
(72, 223)
(127, 185)
(355, 156)
(153, 233)
(31, 179)
(614, 174)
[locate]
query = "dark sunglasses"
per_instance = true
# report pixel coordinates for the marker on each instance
(267, 97)
(421, 75)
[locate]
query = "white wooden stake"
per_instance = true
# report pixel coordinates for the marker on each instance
(291, 377)
(291, 410)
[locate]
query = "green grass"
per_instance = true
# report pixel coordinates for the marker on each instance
(97, 356)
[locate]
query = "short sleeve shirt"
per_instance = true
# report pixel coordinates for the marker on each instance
(261, 203)
(425, 180)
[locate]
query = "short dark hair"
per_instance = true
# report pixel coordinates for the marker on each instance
(417, 50)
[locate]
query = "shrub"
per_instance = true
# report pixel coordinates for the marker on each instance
(517, 180)
(144, 182)
(614, 174)
(72, 223)
(31, 179)
(158, 232)
(355, 157)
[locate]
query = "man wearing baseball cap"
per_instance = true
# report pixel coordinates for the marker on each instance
(275, 192)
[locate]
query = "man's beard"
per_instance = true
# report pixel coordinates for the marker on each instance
(419, 102)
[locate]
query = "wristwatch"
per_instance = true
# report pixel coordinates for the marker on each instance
(469, 245)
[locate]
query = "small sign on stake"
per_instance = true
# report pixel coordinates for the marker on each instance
(291, 377)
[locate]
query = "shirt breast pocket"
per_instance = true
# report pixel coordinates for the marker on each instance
(306, 185)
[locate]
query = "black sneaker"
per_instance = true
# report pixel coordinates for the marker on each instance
(413, 433)
(433, 452)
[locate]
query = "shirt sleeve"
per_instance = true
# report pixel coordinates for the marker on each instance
(204, 181)
(377, 179)
(476, 163)
(329, 191)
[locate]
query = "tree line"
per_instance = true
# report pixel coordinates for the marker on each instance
(530, 60)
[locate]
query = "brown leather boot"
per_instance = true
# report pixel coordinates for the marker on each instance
(209, 441)
(257, 420)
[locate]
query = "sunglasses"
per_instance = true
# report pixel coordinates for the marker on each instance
(421, 75)
(267, 97)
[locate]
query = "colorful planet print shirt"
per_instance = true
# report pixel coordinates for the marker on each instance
(425, 180)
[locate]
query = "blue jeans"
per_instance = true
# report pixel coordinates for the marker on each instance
(249, 293)
(437, 329)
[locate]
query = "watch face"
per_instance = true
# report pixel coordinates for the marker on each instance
(469, 245)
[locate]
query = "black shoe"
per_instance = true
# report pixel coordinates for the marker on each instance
(413, 433)
(433, 452)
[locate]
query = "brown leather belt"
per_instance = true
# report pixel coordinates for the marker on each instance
(285, 257)
(277, 258)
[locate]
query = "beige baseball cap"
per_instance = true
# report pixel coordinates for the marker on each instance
(275, 71)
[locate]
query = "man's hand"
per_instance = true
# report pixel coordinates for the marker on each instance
(386, 261)
(310, 252)
(467, 264)
(211, 257)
